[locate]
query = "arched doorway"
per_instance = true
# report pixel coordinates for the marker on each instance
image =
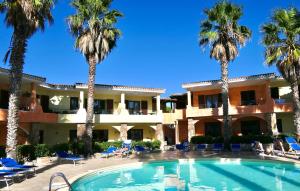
(209, 127)
(250, 125)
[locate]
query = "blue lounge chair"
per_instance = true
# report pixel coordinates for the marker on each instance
(201, 147)
(139, 149)
(183, 146)
(109, 152)
(293, 144)
(7, 176)
(69, 157)
(218, 147)
(12, 164)
(127, 147)
(236, 147)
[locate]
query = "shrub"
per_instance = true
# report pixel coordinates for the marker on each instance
(201, 140)
(102, 146)
(218, 140)
(265, 139)
(156, 144)
(242, 139)
(77, 147)
(25, 153)
(60, 147)
(2, 152)
(42, 150)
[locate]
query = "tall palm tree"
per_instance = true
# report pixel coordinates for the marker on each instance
(25, 17)
(222, 33)
(281, 37)
(93, 25)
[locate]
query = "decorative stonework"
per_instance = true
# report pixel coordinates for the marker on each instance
(159, 135)
(191, 128)
(123, 132)
(80, 131)
(271, 123)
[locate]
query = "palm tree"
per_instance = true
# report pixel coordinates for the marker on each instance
(222, 33)
(96, 36)
(281, 38)
(25, 17)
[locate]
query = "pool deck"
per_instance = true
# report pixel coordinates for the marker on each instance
(41, 180)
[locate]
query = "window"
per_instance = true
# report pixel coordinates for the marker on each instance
(210, 101)
(144, 105)
(213, 129)
(4, 96)
(100, 135)
(135, 134)
(248, 98)
(250, 127)
(45, 103)
(99, 106)
(41, 136)
(279, 125)
(275, 93)
(73, 136)
(134, 107)
(74, 103)
(102, 106)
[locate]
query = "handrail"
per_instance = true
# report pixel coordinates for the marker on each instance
(60, 175)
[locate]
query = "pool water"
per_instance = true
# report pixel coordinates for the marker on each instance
(192, 175)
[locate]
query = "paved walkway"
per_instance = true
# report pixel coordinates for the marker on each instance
(41, 180)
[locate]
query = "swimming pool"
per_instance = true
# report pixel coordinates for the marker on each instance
(221, 174)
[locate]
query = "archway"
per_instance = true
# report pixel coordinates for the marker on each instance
(249, 125)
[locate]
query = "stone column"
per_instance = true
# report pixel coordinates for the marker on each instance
(177, 141)
(122, 106)
(80, 131)
(189, 99)
(33, 100)
(159, 135)
(191, 128)
(271, 123)
(123, 132)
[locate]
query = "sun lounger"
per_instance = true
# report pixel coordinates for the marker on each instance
(12, 164)
(109, 152)
(63, 155)
(7, 176)
(218, 147)
(201, 147)
(139, 149)
(293, 144)
(183, 146)
(235, 147)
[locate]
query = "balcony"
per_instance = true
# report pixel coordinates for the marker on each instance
(171, 117)
(31, 116)
(110, 118)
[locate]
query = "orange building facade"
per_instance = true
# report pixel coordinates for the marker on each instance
(259, 104)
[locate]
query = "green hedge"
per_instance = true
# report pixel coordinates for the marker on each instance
(25, 153)
(152, 145)
(247, 139)
(206, 140)
(42, 150)
(60, 147)
(2, 151)
(103, 146)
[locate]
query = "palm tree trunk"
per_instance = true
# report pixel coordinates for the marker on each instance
(90, 106)
(296, 104)
(224, 74)
(19, 44)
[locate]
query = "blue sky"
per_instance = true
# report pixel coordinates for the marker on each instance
(158, 48)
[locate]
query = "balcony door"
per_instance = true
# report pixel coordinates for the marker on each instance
(134, 107)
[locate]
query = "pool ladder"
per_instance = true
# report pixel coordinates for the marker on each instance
(59, 174)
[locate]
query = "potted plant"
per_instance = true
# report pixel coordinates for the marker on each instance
(42, 153)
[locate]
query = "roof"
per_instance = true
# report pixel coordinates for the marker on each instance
(123, 88)
(26, 76)
(238, 79)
